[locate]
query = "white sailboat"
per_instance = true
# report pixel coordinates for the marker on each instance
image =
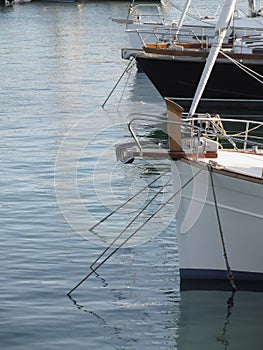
(220, 219)
(218, 190)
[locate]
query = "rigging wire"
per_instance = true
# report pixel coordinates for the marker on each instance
(247, 70)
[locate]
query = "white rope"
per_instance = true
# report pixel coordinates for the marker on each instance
(247, 70)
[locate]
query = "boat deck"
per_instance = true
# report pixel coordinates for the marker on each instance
(246, 163)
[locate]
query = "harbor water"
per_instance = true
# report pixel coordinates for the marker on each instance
(60, 178)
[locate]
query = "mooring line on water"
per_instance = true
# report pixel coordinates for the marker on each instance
(130, 223)
(228, 268)
(133, 234)
(127, 201)
(129, 66)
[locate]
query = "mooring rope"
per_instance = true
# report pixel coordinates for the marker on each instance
(113, 252)
(131, 222)
(129, 66)
(228, 268)
(129, 71)
(127, 201)
(131, 235)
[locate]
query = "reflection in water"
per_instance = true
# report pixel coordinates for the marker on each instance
(138, 298)
(223, 336)
(142, 88)
(215, 320)
(84, 309)
(188, 320)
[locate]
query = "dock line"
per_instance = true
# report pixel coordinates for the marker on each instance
(129, 66)
(228, 268)
(131, 222)
(127, 201)
(132, 234)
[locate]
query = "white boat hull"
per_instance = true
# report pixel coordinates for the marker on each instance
(200, 247)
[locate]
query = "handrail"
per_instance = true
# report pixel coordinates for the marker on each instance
(241, 137)
(169, 33)
(136, 13)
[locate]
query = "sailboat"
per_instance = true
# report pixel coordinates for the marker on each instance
(146, 23)
(175, 67)
(217, 169)
(233, 87)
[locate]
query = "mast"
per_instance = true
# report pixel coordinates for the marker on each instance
(181, 20)
(220, 32)
(252, 8)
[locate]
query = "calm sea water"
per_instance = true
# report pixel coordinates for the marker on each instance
(59, 176)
